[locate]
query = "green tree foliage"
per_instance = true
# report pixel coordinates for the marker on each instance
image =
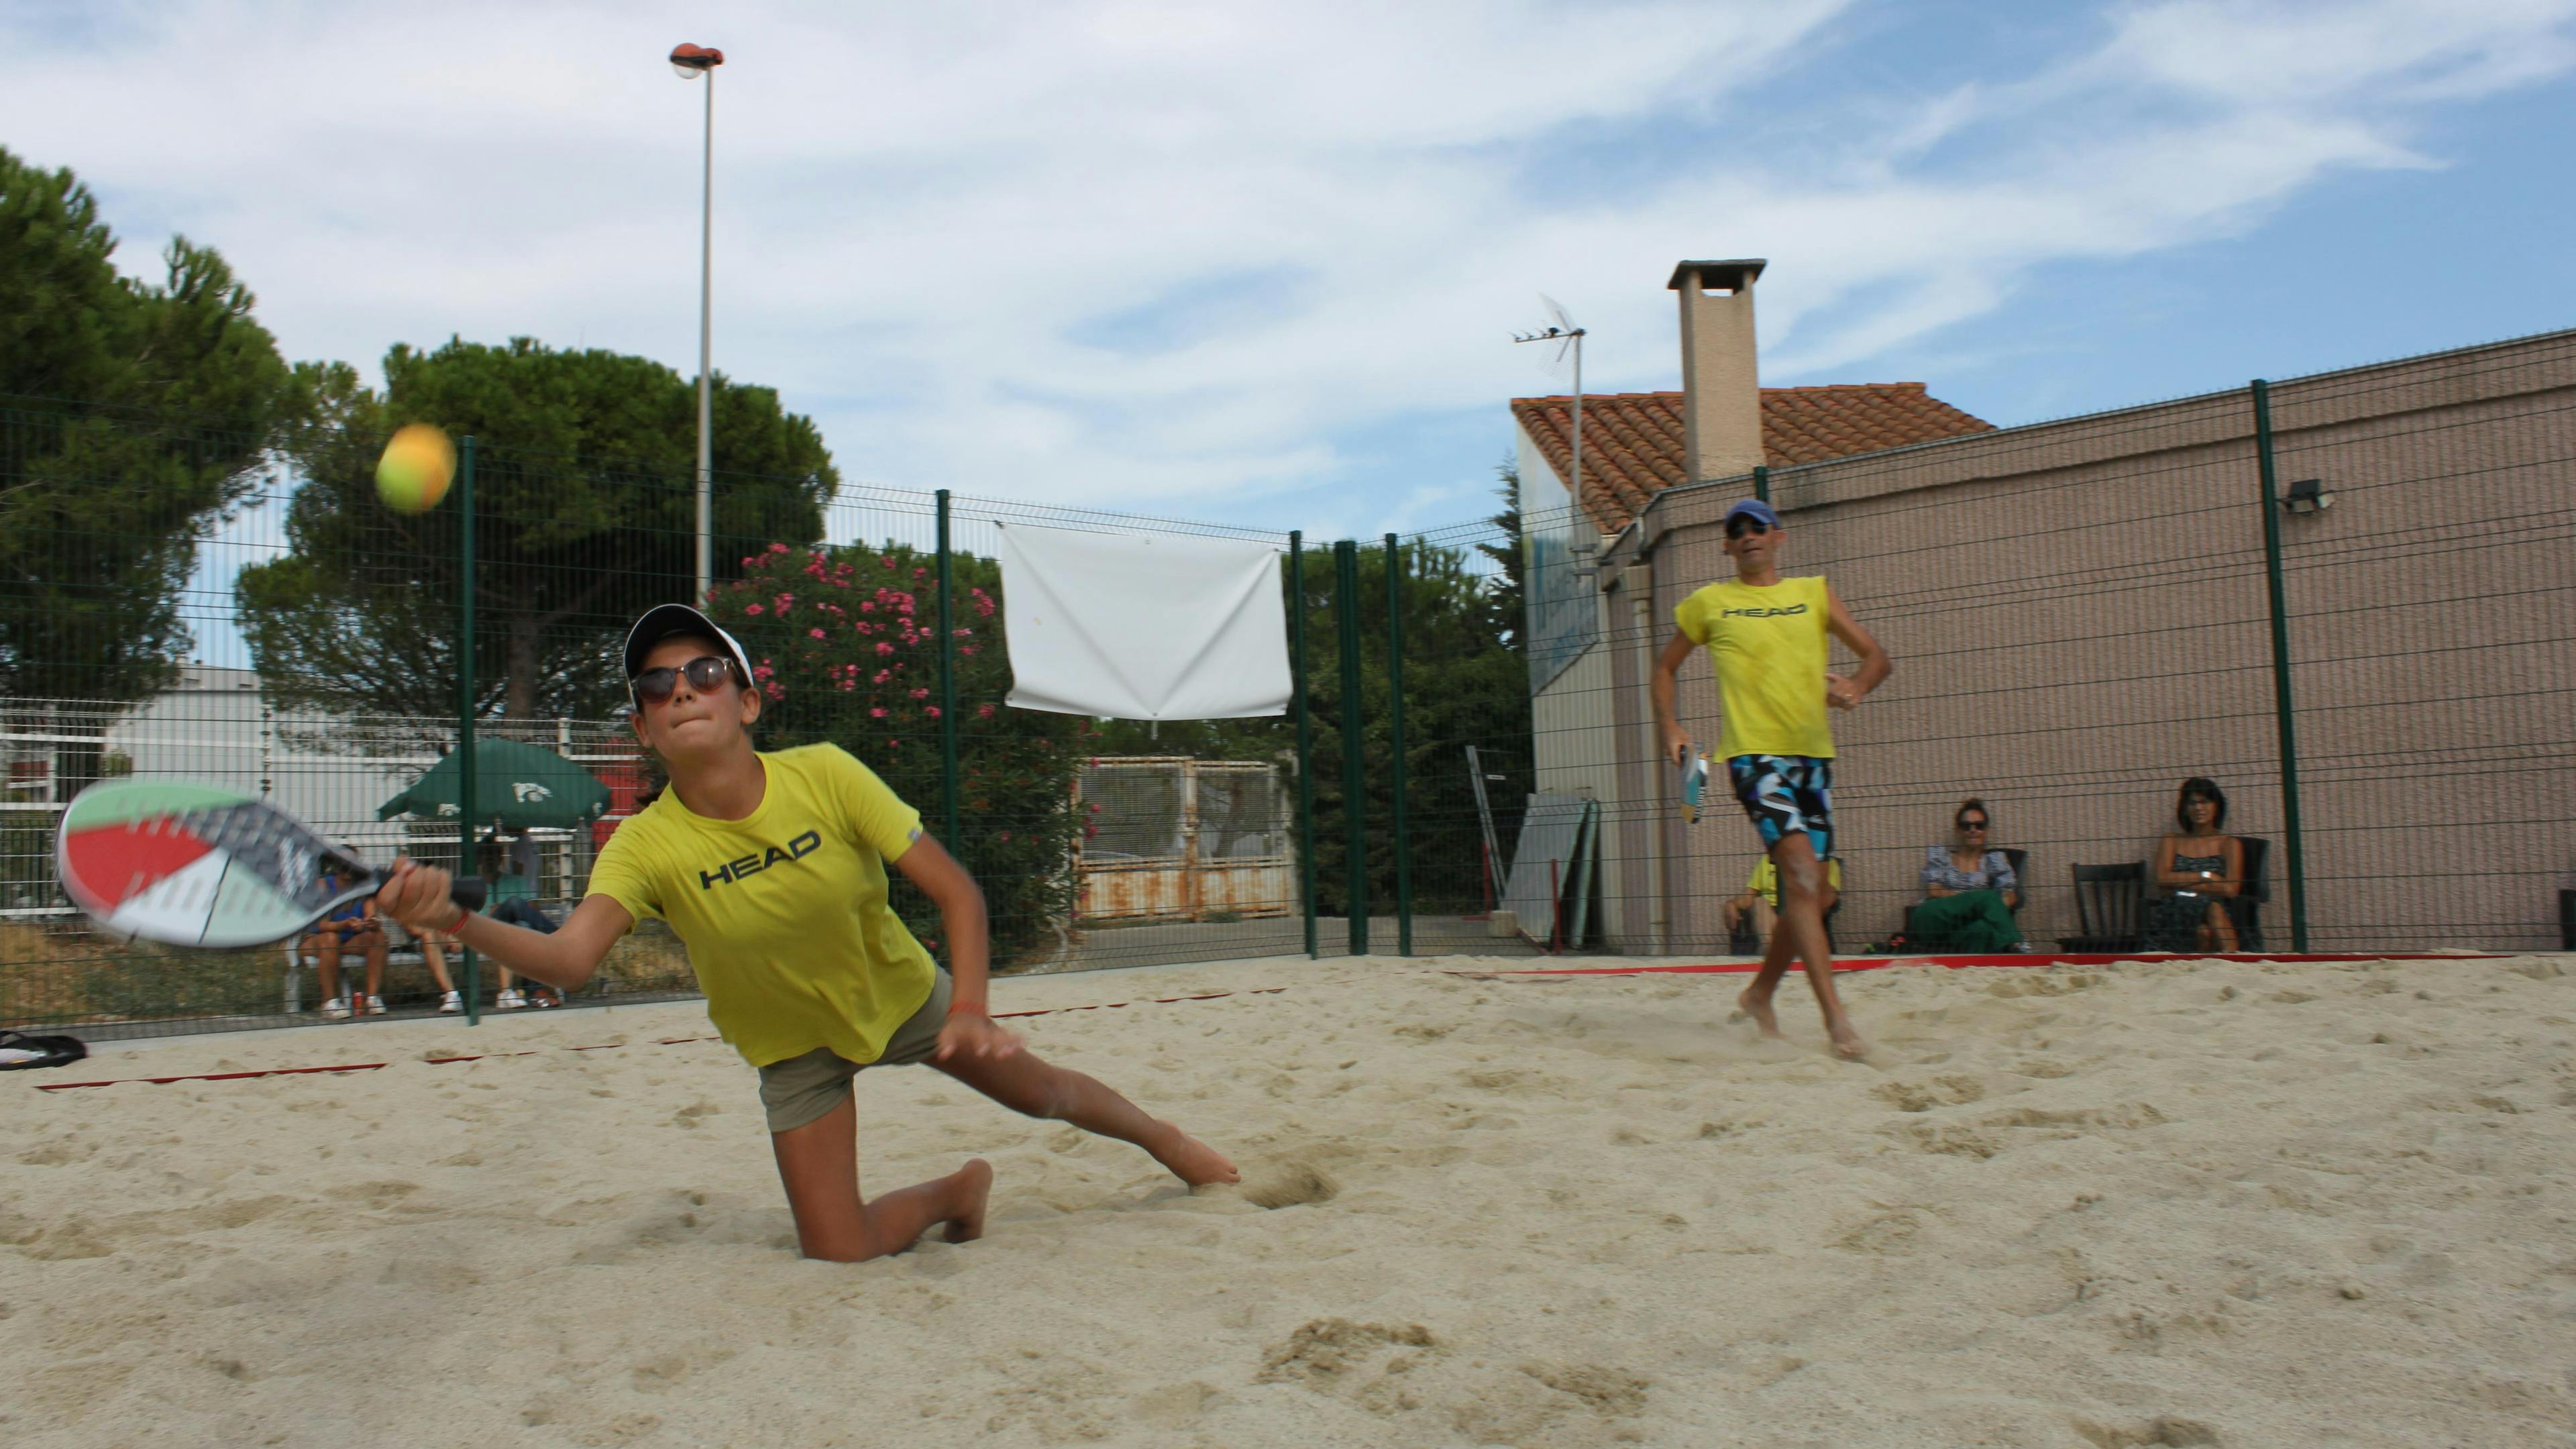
(844, 644)
(136, 415)
(585, 515)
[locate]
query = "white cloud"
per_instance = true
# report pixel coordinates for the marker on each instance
(929, 218)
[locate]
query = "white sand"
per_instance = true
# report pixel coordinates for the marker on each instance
(2174, 1204)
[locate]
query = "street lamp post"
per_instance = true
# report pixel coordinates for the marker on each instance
(698, 62)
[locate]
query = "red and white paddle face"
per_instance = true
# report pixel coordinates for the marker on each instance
(197, 865)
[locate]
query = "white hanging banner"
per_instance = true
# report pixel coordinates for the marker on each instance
(1154, 628)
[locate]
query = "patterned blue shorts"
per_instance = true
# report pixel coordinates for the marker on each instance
(1786, 794)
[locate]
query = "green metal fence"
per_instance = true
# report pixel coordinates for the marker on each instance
(2349, 599)
(308, 643)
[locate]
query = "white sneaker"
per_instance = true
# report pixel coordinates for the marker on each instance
(450, 1004)
(375, 1006)
(509, 1001)
(337, 1008)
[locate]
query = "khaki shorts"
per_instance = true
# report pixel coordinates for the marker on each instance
(801, 1089)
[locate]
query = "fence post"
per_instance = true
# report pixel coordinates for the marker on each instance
(465, 862)
(1346, 613)
(1762, 482)
(1305, 733)
(947, 693)
(1395, 743)
(2283, 713)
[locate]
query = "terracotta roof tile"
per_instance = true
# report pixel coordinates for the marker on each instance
(1632, 441)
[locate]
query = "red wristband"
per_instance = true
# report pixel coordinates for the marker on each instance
(976, 1007)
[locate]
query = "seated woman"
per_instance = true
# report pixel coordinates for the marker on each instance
(2201, 869)
(1969, 890)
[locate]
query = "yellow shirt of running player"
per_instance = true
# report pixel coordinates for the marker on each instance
(1770, 652)
(784, 911)
(1765, 880)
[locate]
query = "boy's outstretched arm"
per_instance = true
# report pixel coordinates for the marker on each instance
(970, 1027)
(416, 895)
(1875, 666)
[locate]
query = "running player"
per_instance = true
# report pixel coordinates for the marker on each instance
(1765, 636)
(772, 870)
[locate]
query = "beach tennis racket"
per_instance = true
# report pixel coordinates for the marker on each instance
(188, 864)
(1694, 784)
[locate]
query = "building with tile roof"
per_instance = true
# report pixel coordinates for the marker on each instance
(1633, 441)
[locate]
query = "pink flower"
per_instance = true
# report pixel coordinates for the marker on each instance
(985, 711)
(868, 608)
(1004, 837)
(778, 548)
(924, 573)
(849, 684)
(816, 633)
(884, 648)
(968, 650)
(751, 608)
(881, 677)
(934, 711)
(1091, 832)
(887, 560)
(921, 694)
(775, 691)
(877, 713)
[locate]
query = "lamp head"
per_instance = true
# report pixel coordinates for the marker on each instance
(693, 61)
(2308, 495)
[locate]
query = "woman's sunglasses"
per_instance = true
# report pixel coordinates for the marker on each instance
(705, 672)
(1972, 825)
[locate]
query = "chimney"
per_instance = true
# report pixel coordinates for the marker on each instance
(1721, 385)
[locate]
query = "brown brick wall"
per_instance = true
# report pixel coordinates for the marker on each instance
(2079, 618)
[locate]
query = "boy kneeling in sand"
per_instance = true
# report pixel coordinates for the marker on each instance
(771, 869)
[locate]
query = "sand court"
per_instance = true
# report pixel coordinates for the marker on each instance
(2175, 1203)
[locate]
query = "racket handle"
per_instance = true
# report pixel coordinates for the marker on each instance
(467, 891)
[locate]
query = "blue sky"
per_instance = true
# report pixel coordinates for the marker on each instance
(1261, 263)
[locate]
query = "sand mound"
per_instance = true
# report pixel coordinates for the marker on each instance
(2185, 1203)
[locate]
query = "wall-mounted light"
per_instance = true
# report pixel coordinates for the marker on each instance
(2308, 495)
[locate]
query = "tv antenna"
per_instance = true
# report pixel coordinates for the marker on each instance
(1568, 338)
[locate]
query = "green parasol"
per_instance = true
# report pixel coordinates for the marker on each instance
(516, 786)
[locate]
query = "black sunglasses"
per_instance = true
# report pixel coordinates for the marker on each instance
(1739, 527)
(1972, 825)
(705, 672)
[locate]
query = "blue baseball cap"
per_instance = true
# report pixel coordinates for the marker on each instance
(1753, 508)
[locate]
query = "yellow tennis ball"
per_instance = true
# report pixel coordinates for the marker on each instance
(412, 475)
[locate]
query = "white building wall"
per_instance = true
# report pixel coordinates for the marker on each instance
(1573, 718)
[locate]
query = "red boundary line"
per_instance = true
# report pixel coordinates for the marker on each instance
(1878, 963)
(599, 1047)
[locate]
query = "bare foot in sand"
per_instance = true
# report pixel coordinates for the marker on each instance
(1847, 1042)
(1191, 1160)
(975, 1183)
(1759, 1008)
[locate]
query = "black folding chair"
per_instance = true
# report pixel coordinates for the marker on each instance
(2110, 908)
(2245, 908)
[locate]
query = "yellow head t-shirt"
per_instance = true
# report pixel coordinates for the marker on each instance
(784, 911)
(1770, 651)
